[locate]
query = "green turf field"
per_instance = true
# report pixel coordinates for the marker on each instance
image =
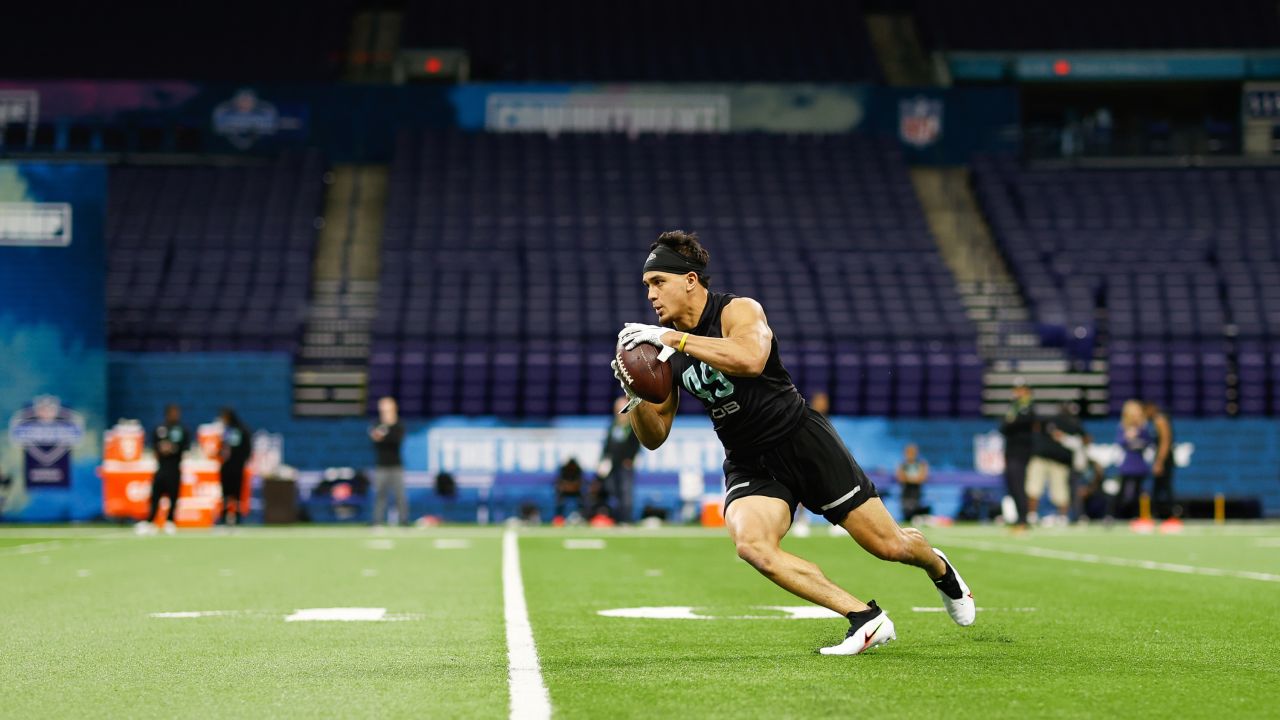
(1072, 623)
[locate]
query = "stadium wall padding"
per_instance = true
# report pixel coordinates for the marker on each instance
(1237, 457)
(259, 385)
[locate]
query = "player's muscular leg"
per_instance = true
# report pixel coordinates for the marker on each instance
(876, 531)
(756, 524)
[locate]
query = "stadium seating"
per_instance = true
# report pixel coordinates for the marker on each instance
(510, 262)
(663, 40)
(1097, 24)
(211, 258)
(1186, 264)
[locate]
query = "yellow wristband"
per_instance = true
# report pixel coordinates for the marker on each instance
(683, 338)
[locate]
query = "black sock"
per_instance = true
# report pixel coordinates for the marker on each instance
(948, 583)
(858, 618)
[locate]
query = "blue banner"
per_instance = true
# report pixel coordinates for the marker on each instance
(934, 125)
(350, 122)
(52, 340)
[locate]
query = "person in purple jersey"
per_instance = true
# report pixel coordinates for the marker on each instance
(1134, 436)
(779, 452)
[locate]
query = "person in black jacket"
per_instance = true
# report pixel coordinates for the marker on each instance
(1051, 462)
(170, 442)
(1017, 427)
(569, 489)
(237, 445)
(388, 471)
(912, 474)
(618, 464)
(1163, 504)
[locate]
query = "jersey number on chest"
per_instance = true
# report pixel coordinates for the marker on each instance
(710, 385)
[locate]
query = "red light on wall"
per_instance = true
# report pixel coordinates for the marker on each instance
(433, 65)
(1061, 67)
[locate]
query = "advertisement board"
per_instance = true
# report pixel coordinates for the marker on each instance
(52, 339)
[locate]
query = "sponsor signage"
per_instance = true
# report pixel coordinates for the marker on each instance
(36, 224)
(631, 113)
(920, 121)
(543, 450)
(245, 119)
(19, 107)
(47, 432)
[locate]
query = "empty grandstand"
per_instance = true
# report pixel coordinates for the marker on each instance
(491, 237)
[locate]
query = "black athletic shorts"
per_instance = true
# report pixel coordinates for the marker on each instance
(811, 467)
(166, 482)
(232, 477)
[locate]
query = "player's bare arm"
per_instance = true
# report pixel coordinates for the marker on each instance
(744, 349)
(652, 422)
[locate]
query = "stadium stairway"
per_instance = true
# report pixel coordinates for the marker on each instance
(1007, 338)
(901, 55)
(372, 46)
(331, 375)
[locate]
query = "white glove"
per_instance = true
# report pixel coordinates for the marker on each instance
(635, 333)
(632, 399)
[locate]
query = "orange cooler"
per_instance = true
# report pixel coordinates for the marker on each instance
(126, 491)
(127, 472)
(124, 442)
(209, 438)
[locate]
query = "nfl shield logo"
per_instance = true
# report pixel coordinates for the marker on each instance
(988, 453)
(920, 121)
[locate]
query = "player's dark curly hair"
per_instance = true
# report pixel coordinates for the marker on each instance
(686, 243)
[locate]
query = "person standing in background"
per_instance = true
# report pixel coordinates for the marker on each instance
(1017, 427)
(912, 474)
(236, 447)
(1163, 505)
(170, 442)
(1133, 436)
(820, 402)
(569, 489)
(1052, 457)
(1084, 469)
(388, 471)
(617, 468)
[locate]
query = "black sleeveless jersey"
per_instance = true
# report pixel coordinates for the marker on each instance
(750, 414)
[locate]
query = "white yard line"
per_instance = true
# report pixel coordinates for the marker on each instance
(939, 609)
(1033, 551)
(31, 548)
(529, 697)
(65, 531)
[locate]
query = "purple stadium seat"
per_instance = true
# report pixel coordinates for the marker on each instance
(1159, 250)
(206, 240)
(862, 230)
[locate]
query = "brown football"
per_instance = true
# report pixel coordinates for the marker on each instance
(648, 377)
